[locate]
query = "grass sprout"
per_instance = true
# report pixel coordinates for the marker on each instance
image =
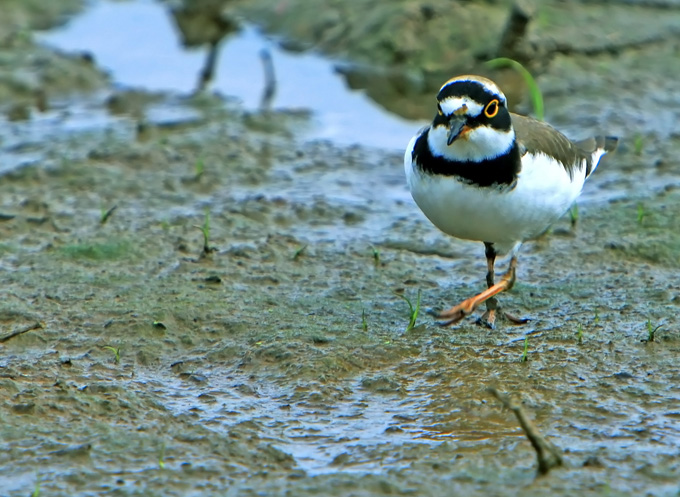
(299, 252)
(364, 321)
(414, 310)
(573, 215)
(651, 330)
(376, 256)
(106, 214)
(116, 352)
(525, 352)
(161, 456)
(205, 229)
(199, 168)
(641, 213)
(638, 144)
(36, 489)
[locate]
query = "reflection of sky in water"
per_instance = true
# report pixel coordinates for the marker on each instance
(136, 42)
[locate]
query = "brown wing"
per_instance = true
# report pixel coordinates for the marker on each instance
(536, 136)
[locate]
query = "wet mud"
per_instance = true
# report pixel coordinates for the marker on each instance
(196, 301)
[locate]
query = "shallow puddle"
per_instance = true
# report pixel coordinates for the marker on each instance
(351, 427)
(136, 41)
(306, 425)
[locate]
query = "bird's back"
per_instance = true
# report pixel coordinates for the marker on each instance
(539, 137)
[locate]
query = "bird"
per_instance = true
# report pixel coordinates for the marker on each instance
(480, 172)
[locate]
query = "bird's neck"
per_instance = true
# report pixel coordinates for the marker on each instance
(500, 169)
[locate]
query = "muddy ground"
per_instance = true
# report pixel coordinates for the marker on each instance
(277, 361)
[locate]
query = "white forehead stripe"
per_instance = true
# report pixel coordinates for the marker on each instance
(487, 83)
(452, 104)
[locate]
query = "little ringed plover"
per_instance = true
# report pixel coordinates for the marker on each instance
(480, 172)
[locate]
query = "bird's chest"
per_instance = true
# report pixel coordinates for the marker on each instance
(543, 191)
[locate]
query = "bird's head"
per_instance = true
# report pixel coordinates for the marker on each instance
(472, 122)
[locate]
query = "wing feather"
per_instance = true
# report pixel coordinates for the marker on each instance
(538, 137)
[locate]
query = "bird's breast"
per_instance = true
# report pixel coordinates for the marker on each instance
(543, 191)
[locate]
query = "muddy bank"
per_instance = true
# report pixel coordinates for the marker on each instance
(31, 75)
(400, 52)
(279, 362)
(134, 362)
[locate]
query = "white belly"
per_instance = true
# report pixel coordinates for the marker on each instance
(544, 191)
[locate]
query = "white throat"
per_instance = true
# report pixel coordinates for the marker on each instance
(476, 145)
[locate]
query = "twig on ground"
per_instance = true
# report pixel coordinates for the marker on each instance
(548, 455)
(21, 331)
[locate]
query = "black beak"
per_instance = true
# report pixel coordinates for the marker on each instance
(456, 124)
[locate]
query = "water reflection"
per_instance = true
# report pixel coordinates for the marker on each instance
(138, 43)
(204, 22)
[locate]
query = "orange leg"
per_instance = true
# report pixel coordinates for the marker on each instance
(493, 311)
(488, 319)
(466, 307)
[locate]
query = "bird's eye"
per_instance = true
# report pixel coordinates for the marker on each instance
(439, 110)
(491, 109)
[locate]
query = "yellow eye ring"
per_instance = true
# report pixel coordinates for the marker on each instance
(491, 109)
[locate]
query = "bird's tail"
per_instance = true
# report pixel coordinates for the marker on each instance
(607, 143)
(597, 147)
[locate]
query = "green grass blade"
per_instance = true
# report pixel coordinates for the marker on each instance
(525, 352)
(534, 90)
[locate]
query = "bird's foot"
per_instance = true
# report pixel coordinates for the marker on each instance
(458, 312)
(467, 307)
(489, 318)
